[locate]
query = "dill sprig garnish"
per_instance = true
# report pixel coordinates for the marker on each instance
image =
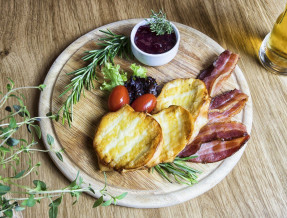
(181, 172)
(159, 24)
(112, 45)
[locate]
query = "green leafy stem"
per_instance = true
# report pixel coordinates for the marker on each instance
(13, 195)
(40, 191)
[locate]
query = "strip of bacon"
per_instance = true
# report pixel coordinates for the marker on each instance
(219, 71)
(217, 137)
(217, 150)
(223, 107)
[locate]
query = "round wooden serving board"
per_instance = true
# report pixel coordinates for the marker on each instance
(145, 189)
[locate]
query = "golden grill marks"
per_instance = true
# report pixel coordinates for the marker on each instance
(127, 140)
(191, 94)
(177, 126)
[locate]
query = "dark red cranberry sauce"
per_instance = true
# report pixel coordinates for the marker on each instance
(149, 42)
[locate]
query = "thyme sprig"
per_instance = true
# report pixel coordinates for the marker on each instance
(104, 192)
(15, 196)
(181, 172)
(159, 24)
(112, 45)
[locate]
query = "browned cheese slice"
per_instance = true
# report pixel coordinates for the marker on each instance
(127, 140)
(177, 127)
(191, 94)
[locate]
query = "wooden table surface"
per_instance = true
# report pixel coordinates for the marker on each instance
(33, 33)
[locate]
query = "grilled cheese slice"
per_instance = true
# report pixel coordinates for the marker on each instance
(191, 94)
(127, 140)
(177, 127)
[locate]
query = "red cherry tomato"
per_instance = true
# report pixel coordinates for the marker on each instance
(144, 103)
(118, 98)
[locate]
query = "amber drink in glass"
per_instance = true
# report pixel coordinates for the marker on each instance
(273, 51)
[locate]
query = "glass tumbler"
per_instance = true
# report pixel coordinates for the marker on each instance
(273, 50)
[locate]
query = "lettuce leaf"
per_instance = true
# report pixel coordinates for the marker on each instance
(138, 71)
(112, 76)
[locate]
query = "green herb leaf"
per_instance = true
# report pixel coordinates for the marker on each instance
(53, 116)
(80, 181)
(112, 77)
(18, 208)
(74, 182)
(41, 87)
(17, 108)
(12, 142)
(9, 87)
(11, 81)
(12, 123)
(98, 202)
(77, 195)
(185, 158)
(8, 213)
(107, 203)
(30, 202)
(91, 190)
(3, 149)
(18, 175)
(23, 140)
(59, 156)
(50, 139)
(8, 108)
(40, 185)
(138, 71)
(37, 130)
(57, 117)
(161, 172)
(56, 202)
(29, 128)
(4, 189)
(53, 212)
(18, 98)
(122, 196)
(26, 112)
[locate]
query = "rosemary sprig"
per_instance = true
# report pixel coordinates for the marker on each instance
(112, 45)
(159, 24)
(181, 172)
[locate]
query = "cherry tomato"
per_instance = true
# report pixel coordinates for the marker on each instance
(118, 98)
(144, 103)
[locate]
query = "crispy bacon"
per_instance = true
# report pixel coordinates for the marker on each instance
(219, 71)
(223, 107)
(220, 138)
(218, 150)
(216, 141)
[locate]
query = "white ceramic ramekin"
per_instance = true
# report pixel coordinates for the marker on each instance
(153, 59)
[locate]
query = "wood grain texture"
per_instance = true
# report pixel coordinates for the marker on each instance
(146, 190)
(33, 33)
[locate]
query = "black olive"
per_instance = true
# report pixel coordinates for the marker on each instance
(139, 86)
